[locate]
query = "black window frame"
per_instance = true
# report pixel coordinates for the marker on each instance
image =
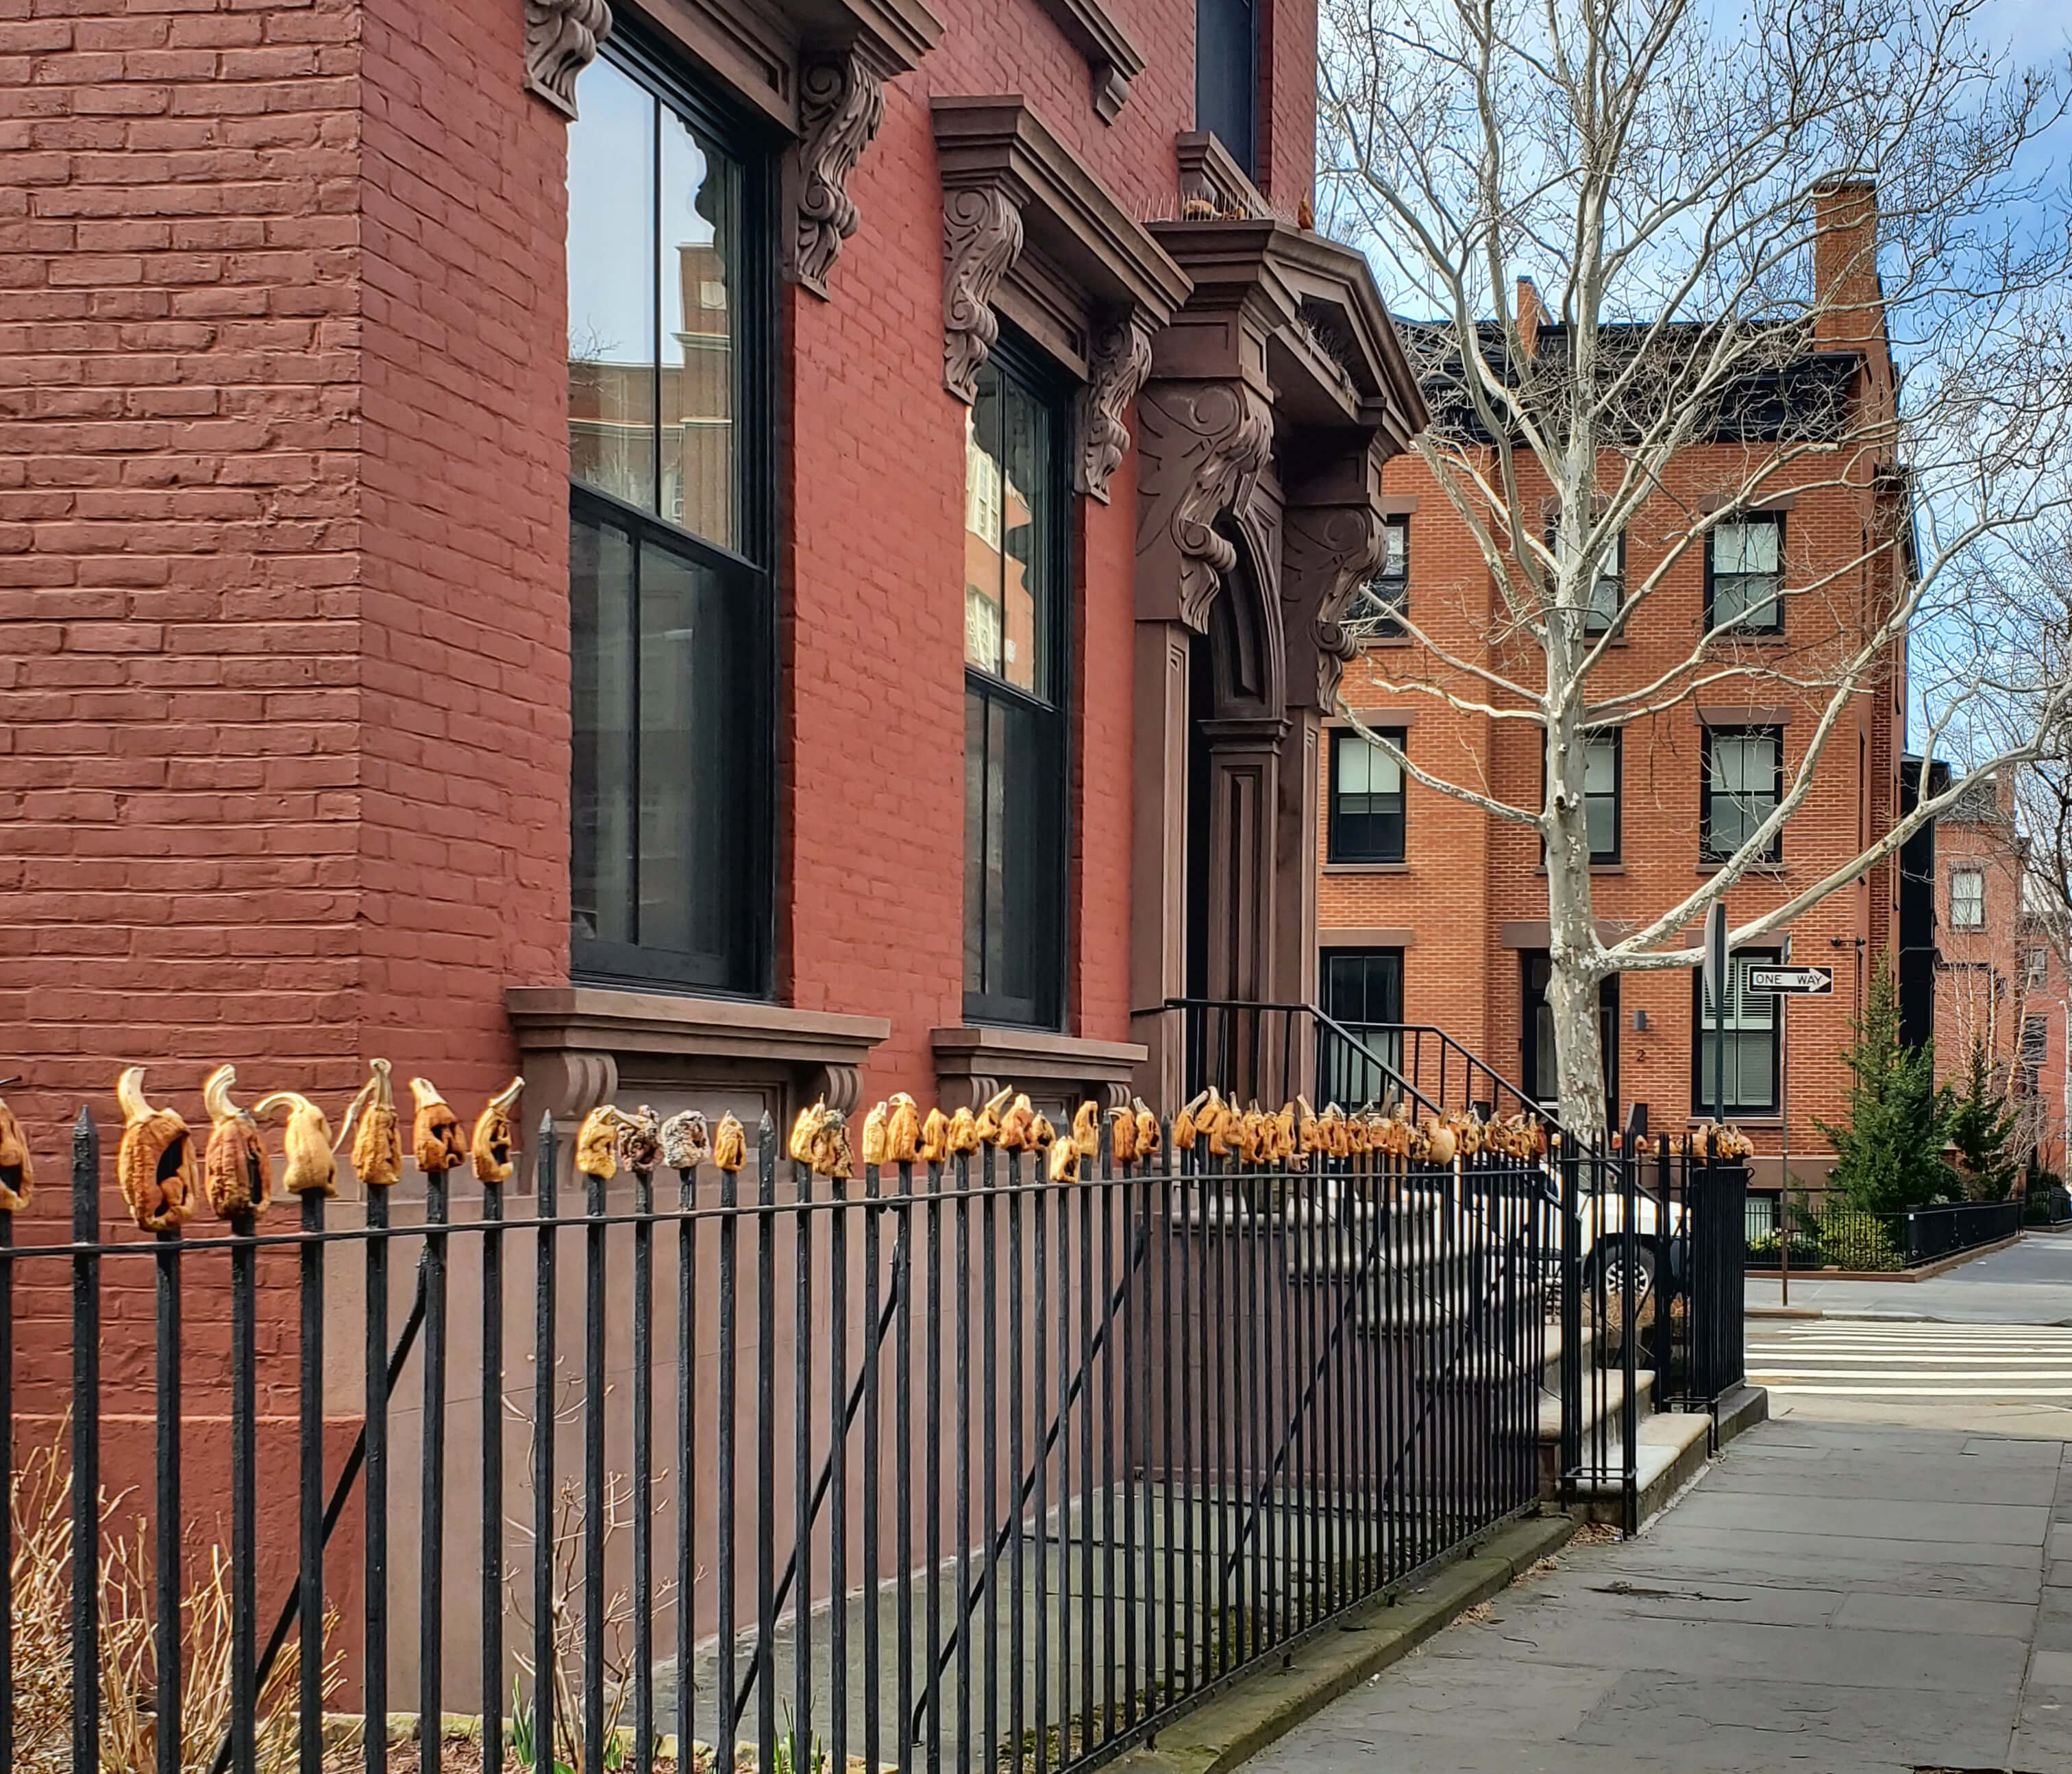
(1014, 355)
(1596, 623)
(1336, 849)
(1707, 851)
(750, 973)
(1532, 964)
(1241, 138)
(1616, 736)
(1380, 605)
(1701, 1074)
(1776, 520)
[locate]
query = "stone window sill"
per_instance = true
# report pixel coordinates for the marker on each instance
(1367, 868)
(977, 1060)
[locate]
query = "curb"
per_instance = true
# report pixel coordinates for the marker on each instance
(1231, 1727)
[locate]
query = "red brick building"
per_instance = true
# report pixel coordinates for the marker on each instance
(708, 557)
(1432, 912)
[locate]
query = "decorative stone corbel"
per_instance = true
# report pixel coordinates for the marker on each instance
(842, 1086)
(1200, 447)
(1328, 553)
(841, 103)
(561, 37)
(981, 238)
(1121, 360)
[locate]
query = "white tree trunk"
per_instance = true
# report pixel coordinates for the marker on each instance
(1573, 950)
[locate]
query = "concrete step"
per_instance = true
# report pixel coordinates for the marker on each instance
(1670, 1450)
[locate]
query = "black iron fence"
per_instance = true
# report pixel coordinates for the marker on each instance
(952, 1465)
(1827, 1233)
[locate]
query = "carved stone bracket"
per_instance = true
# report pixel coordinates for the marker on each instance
(1201, 446)
(1328, 552)
(1121, 360)
(561, 37)
(974, 1065)
(981, 238)
(841, 103)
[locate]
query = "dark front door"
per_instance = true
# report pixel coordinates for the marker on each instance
(1542, 1081)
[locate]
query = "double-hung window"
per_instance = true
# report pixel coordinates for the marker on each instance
(1608, 590)
(672, 273)
(1227, 77)
(1603, 761)
(1751, 1044)
(1967, 899)
(1380, 606)
(1018, 602)
(1745, 574)
(1744, 780)
(2036, 968)
(1367, 799)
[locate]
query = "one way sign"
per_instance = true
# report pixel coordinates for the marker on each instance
(1813, 982)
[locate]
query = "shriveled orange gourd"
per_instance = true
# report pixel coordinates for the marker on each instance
(236, 1174)
(155, 1166)
(310, 1168)
(18, 1171)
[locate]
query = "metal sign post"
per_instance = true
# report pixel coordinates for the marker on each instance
(1784, 1162)
(1716, 979)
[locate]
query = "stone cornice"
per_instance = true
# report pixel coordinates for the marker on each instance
(1111, 55)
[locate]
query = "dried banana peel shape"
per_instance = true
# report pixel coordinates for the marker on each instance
(236, 1174)
(597, 1143)
(155, 1165)
(18, 1171)
(730, 1144)
(310, 1168)
(494, 1148)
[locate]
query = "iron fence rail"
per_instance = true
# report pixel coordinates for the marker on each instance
(1827, 1233)
(965, 1468)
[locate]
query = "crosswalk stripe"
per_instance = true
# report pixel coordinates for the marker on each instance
(1915, 1359)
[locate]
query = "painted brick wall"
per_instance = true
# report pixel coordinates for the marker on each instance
(180, 529)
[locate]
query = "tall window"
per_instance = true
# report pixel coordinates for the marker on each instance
(1745, 574)
(2035, 969)
(1967, 899)
(1542, 1067)
(1601, 772)
(1227, 77)
(1380, 606)
(1744, 781)
(672, 287)
(1017, 618)
(1752, 1043)
(1608, 590)
(1363, 991)
(1366, 800)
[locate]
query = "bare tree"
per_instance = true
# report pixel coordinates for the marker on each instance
(1803, 233)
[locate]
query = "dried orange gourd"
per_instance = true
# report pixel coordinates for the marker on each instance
(935, 1145)
(686, 1141)
(902, 1129)
(436, 1140)
(310, 1167)
(730, 1143)
(494, 1148)
(377, 1147)
(596, 1142)
(18, 1171)
(236, 1175)
(155, 1166)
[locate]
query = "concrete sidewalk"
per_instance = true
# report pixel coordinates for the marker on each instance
(2029, 1283)
(1833, 1595)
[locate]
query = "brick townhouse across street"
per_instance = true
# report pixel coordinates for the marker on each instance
(1430, 913)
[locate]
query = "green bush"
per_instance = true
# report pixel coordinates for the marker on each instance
(1888, 1158)
(1980, 1126)
(1850, 1238)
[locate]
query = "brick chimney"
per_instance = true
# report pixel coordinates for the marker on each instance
(1850, 312)
(1532, 315)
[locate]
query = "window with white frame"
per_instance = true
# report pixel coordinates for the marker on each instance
(1967, 899)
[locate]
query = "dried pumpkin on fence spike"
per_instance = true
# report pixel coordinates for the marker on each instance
(935, 1145)
(730, 1144)
(902, 1129)
(640, 1140)
(1042, 1136)
(1184, 1126)
(155, 1164)
(1085, 1130)
(874, 1142)
(962, 1133)
(597, 1143)
(1442, 1145)
(310, 1168)
(828, 1153)
(436, 1140)
(1014, 1126)
(1064, 1161)
(236, 1173)
(1147, 1132)
(988, 1122)
(686, 1141)
(1122, 1134)
(378, 1147)
(494, 1147)
(17, 1172)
